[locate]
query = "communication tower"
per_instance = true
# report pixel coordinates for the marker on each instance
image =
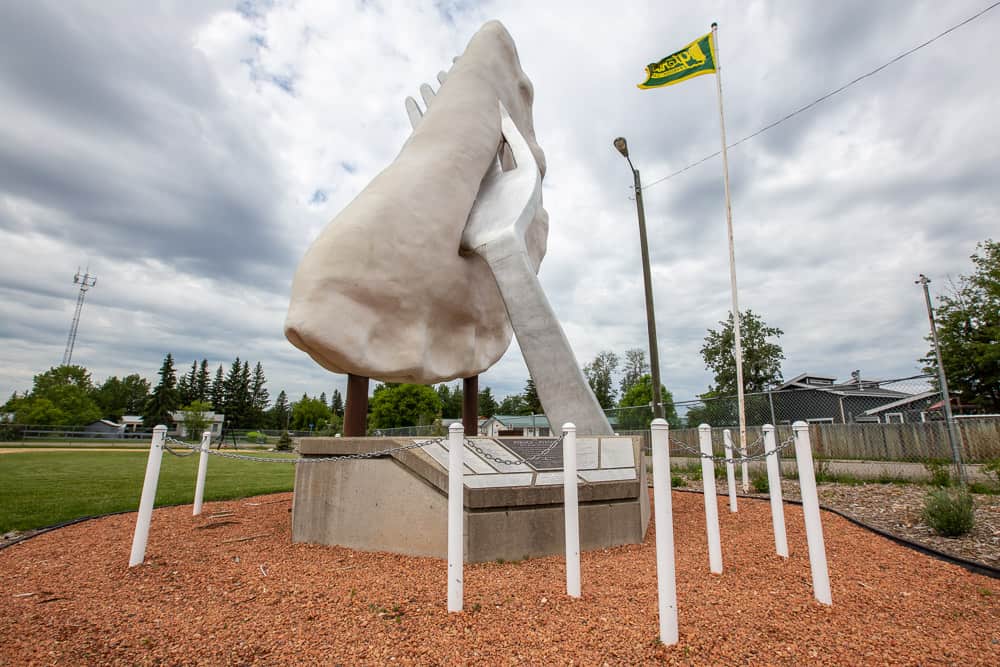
(86, 281)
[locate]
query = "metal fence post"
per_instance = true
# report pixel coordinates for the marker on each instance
(711, 504)
(727, 438)
(456, 537)
(774, 491)
(571, 511)
(663, 513)
(148, 497)
(810, 508)
(199, 485)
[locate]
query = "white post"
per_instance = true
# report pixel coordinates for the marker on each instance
(745, 470)
(571, 511)
(148, 497)
(774, 490)
(456, 537)
(199, 485)
(711, 504)
(810, 508)
(727, 438)
(663, 513)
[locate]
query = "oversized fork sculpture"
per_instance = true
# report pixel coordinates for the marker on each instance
(498, 222)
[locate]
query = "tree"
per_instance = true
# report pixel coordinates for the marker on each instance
(202, 383)
(281, 413)
(336, 403)
(761, 357)
(513, 404)
(165, 398)
(62, 395)
(217, 394)
(451, 401)
(598, 373)
(532, 404)
(635, 368)
(195, 419)
(968, 327)
(119, 397)
(310, 414)
(396, 405)
(487, 404)
(259, 397)
(641, 394)
(187, 383)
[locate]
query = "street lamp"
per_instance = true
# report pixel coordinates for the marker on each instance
(654, 356)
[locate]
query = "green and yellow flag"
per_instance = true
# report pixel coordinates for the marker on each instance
(693, 60)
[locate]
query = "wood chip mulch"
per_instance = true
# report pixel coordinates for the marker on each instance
(232, 589)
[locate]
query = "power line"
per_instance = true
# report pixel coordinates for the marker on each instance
(825, 97)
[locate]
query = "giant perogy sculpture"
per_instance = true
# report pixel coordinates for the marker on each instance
(423, 277)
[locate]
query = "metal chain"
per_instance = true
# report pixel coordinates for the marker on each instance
(311, 459)
(178, 442)
(736, 459)
(514, 462)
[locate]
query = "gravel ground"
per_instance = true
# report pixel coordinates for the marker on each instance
(897, 509)
(206, 597)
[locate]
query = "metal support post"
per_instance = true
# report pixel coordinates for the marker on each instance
(470, 405)
(356, 407)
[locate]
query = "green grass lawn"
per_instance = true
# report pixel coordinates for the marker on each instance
(40, 488)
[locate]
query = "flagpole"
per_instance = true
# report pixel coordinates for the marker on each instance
(738, 343)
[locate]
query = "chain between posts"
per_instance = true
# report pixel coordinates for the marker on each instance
(510, 462)
(316, 459)
(736, 459)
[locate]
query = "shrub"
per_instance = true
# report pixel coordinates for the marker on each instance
(677, 480)
(758, 479)
(939, 473)
(284, 442)
(949, 512)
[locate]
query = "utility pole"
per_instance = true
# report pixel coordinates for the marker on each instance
(86, 281)
(953, 438)
(654, 355)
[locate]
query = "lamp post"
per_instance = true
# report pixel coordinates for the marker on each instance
(654, 356)
(956, 453)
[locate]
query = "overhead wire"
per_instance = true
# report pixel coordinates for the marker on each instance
(826, 96)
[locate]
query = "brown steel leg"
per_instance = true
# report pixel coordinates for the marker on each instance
(470, 405)
(356, 406)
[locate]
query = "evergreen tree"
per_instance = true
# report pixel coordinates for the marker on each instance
(451, 401)
(259, 397)
(217, 394)
(487, 404)
(322, 397)
(236, 395)
(279, 415)
(337, 403)
(186, 385)
(532, 404)
(165, 397)
(202, 385)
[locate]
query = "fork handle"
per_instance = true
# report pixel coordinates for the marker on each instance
(562, 387)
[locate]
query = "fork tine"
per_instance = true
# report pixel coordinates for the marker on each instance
(413, 111)
(516, 142)
(427, 93)
(442, 75)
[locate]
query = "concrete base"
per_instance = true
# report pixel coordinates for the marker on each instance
(398, 503)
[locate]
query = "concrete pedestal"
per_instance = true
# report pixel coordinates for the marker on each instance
(398, 503)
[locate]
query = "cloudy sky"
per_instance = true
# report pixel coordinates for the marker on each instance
(188, 153)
